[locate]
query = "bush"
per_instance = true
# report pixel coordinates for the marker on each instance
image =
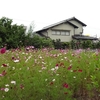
(38, 42)
(87, 44)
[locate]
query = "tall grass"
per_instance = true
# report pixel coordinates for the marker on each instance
(48, 74)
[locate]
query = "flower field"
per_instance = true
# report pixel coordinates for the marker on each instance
(47, 74)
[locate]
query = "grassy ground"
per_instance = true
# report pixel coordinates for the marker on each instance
(48, 74)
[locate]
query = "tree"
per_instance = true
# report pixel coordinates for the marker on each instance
(12, 36)
(30, 29)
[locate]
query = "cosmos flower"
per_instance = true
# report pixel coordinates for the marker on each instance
(79, 70)
(6, 89)
(69, 67)
(7, 85)
(53, 80)
(2, 89)
(3, 50)
(52, 69)
(16, 60)
(4, 65)
(13, 82)
(3, 73)
(65, 85)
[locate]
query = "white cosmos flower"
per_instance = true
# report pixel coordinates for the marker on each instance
(13, 82)
(7, 85)
(16, 60)
(85, 78)
(20, 68)
(13, 68)
(53, 80)
(46, 79)
(40, 71)
(71, 70)
(62, 59)
(40, 57)
(52, 69)
(74, 76)
(23, 52)
(6, 89)
(57, 74)
(56, 67)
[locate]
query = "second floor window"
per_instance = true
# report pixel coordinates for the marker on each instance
(60, 32)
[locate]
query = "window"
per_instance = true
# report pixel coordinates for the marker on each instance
(61, 32)
(55, 32)
(67, 33)
(58, 32)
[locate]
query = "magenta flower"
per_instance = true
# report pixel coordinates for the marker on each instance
(13, 58)
(3, 50)
(65, 85)
(69, 67)
(57, 64)
(79, 70)
(4, 65)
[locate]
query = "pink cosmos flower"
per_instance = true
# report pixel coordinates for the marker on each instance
(57, 64)
(69, 67)
(1, 75)
(2, 89)
(4, 73)
(65, 85)
(13, 58)
(3, 50)
(80, 70)
(22, 86)
(4, 65)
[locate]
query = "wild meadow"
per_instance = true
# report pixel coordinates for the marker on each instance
(48, 74)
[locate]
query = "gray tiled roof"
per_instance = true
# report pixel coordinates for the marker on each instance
(83, 37)
(64, 21)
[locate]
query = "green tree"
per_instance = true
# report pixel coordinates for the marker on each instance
(11, 35)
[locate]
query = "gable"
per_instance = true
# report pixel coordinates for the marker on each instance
(76, 23)
(75, 19)
(63, 26)
(71, 23)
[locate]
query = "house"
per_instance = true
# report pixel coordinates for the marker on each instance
(65, 30)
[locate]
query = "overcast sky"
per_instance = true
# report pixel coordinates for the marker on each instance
(46, 12)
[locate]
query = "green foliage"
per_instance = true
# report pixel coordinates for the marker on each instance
(98, 45)
(87, 44)
(38, 42)
(11, 35)
(57, 44)
(66, 45)
(47, 74)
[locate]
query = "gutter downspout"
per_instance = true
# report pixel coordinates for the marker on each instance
(74, 31)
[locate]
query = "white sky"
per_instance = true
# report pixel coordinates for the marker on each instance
(46, 12)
